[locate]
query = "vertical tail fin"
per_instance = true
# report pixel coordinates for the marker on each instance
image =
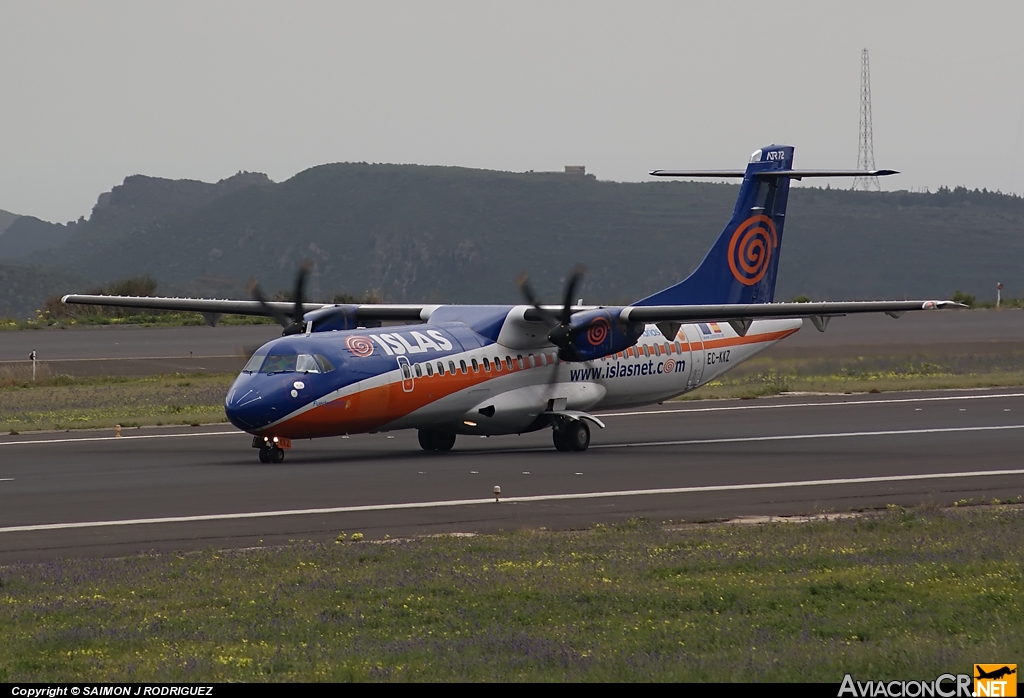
(742, 265)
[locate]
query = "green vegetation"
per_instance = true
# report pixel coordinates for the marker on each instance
(899, 594)
(178, 399)
(763, 376)
(62, 402)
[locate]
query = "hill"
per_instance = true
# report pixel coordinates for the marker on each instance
(24, 289)
(28, 234)
(447, 234)
(6, 218)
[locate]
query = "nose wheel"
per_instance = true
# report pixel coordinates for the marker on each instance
(271, 454)
(571, 436)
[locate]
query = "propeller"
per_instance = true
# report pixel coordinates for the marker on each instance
(292, 323)
(562, 333)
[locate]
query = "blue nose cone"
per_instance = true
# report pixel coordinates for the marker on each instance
(247, 406)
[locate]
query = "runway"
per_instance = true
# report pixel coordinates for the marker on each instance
(91, 493)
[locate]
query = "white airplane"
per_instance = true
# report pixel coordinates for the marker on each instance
(492, 370)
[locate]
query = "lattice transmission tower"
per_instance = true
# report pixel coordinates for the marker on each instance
(866, 152)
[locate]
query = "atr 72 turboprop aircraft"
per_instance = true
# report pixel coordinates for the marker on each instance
(492, 370)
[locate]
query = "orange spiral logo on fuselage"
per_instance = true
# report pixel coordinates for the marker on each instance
(750, 249)
(598, 331)
(358, 345)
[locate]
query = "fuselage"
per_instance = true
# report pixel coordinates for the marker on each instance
(468, 377)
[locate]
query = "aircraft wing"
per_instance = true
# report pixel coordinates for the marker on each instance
(215, 307)
(755, 311)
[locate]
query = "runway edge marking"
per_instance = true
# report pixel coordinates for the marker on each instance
(839, 403)
(508, 500)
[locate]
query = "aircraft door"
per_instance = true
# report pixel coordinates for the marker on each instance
(407, 376)
(693, 336)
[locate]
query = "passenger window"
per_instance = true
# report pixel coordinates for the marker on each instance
(462, 365)
(487, 365)
(657, 350)
(519, 359)
(543, 359)
(497, 363)
(406, 371)
(476, 366)
(508, 362)
(647, 350)
(430, 370)
(451, 365)
(419, 371)
(440, 368)
(668, 348)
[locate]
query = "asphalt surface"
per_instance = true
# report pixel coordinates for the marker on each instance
(90, 493)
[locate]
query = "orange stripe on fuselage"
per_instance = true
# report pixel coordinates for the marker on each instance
(372, 408)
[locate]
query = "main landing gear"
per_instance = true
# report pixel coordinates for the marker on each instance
(431, 440)
(571, 435)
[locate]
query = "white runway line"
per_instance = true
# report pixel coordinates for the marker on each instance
(890, 401)
(508, 500)
(799, 437)
(117, 438)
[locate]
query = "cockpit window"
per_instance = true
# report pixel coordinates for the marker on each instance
(279, 363)
(287, 363)
(253, 364)
(306, 364)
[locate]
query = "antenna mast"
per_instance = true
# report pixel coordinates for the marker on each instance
(866, 152)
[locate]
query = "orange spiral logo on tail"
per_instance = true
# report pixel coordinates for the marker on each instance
(598, 331)
(360, 346)
(750, 249)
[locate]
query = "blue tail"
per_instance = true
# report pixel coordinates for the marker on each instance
(742, 265)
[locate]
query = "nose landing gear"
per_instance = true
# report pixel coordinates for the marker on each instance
(271, 454)
(270, 450)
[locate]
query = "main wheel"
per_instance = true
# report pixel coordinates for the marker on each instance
(577, 435)
(428, 439)
(444, 441)
(277, 455)
(560, 440)
(264, 454)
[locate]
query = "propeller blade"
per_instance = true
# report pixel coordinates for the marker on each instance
(570, 292)
(279, 317)
(300, 287)
(524, 287)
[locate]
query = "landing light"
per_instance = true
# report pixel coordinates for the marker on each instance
(469, 423)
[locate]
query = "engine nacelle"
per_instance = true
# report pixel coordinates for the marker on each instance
(598, 333)
(335, 317)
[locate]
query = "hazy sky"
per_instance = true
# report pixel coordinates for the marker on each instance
(95, 91)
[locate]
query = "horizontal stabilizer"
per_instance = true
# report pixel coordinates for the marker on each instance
(792, 174)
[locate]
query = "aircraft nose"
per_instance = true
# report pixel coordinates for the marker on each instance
(246, 408)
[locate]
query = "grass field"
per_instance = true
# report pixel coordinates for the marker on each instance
(62, 402)
(897, 594)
